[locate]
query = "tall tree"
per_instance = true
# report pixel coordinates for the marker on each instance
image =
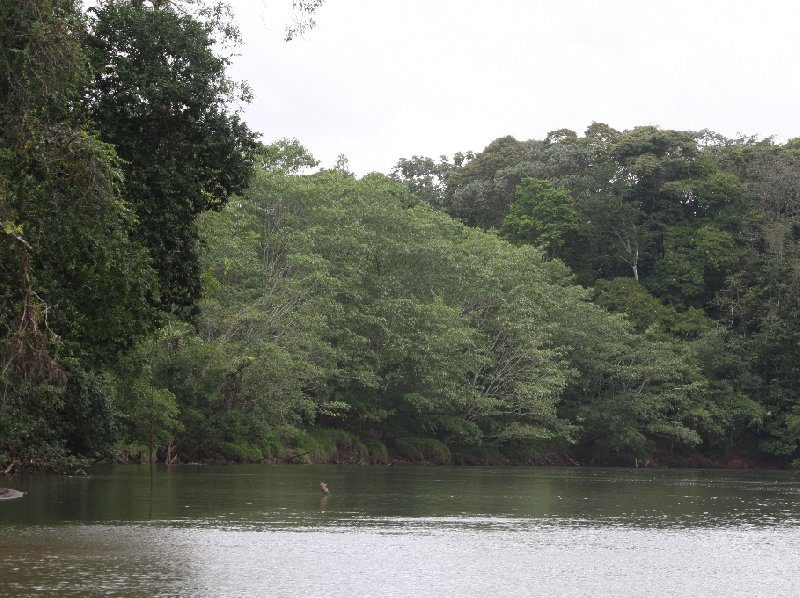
(760, 298)
(542, 215)
(75, 287)
(161, 96)
(426, 178)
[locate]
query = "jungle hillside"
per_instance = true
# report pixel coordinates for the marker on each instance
(172, 288)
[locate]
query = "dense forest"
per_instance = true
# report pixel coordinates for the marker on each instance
(173, 289)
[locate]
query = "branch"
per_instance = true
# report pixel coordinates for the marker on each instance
(305, 20)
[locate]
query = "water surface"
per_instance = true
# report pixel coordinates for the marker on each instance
(264, 530)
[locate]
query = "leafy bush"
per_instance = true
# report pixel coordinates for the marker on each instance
(346, 446)
(474, 454)
(528, 453)
(272, 447)
(378, 453)
(326, 445)
(423, 449)
(243, 452)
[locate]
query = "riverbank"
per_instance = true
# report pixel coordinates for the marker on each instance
(330, 446)
(327, 446)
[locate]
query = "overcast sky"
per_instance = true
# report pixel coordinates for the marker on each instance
(379, 80)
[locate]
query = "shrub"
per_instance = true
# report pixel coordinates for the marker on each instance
(479, 455)
(346, 446)
(378, 453)
(241, 452)
(326, 445)
(528, 453)
(423, 449)
(272, 447)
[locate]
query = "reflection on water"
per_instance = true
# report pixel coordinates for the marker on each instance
(410, 531)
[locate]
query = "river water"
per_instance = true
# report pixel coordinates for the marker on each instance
(264, 530)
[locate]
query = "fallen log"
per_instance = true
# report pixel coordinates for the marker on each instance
(10, 494)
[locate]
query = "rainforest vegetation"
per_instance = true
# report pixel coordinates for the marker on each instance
(171, 288)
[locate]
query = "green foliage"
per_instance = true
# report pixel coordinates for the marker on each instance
(634, 390)
(341, 314)
(705, 230)
(162, 98)
(88, 413)
(486, 345)
(625, 295)
(26, 424)
(426, 178)
(285, 155)
(242, 453)
(304, 18)
(347, 445)
(522, 451)
(378, 453)
(541, 215)
(479, 193)
(272, 446)
(695, 264)
(423, 449)
(144, 407)
(646, 312)
(323, 445)
(317, 311)
(84, 259)
(479, 454)
(75, 285)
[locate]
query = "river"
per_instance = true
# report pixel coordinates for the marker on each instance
(266, 530)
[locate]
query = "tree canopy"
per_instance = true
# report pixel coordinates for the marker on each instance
(162, 98)
(172, 288)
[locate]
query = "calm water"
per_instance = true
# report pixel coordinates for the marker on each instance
(402, 531)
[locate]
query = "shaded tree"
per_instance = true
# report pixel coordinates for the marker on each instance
(75, 286)
(162, 98)
(542, 215)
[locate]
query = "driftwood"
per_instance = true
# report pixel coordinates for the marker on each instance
(324, 487)
(10, 494)
(10, 467)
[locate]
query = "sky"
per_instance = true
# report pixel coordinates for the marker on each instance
(380, 80)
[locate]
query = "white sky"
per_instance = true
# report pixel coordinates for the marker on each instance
(380, 80)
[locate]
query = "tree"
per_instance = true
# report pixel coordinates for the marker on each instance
(541, 215)
(317, 312)
(760, 297)
(162, 98)
(284, 155)
(428, 179)
(479, 193)
(695, 264)
(75, 285)
(304, 18)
